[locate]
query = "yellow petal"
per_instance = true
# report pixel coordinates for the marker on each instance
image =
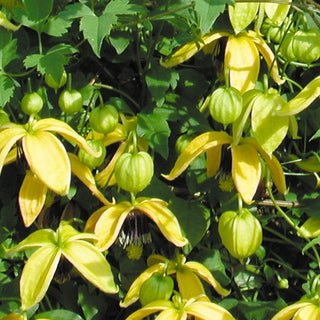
(13, 316)
(246, 170)
(165, 221)
(242, 60)
(151, 308)
(205, 274)
(197, 147)
(277, 11)
(133, 293)
(204, 310)
(213, 160)
(84, 174)
(310, 228)
(189, 284)
(48, 159)
(11, 157)
(191, 48)
(310, 312)
(55, 125)
(109, 224)
(91, 263)
(267, 55)
(104, 177)
(37, 275)
(288, 312)
(93, 219)
(32, 196)
(172, 314)
(8, 138)
(303, 99)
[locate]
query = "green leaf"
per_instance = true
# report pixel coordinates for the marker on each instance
(74, 11)
(56, 26)
(6, 89)
(38, 9)
(208, 12)
(156, 131)
(120, 40)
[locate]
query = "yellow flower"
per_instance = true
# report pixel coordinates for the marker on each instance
(301, 310)
(67, 243)
(187, 275)
(180, 309)
(107, 221)
(241, 57)
(246, 163)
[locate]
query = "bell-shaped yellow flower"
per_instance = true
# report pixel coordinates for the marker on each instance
(66, 243)
(107, 221)
(241, 59)
(188, 275)
(182, 309)
(246, 164)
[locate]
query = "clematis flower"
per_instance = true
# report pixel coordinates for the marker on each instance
(246, 163)
(241, 57)
(52, 246)
(187, 275)
(107, 221)
(180, 309)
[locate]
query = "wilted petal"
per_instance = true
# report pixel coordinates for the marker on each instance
(243, 61)
(91, 263)
(302, 100)
(84, 174)
(246, 170)
(213, 160)
(109, 224)
(32, 196)
(165, 221)
(288, 312)
(204, 310)
(197, 147)
(37, 275)
(150, 308)
(8, 138)
(205, 274)
(267, 55)
(191, 48)
(134, 290)
(48, 159)
(55, 125)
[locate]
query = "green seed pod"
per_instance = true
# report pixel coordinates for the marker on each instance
(157, 287)
(31, 103)
(89, 160)
(134, 171)
(225, 105)
(104, 119)
(286, 49)
(240, 232)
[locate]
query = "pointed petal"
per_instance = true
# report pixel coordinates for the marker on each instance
(32, 196)
(91, 263)
(205, 274)
(288, 312)
(274, 166)
(109, 224)
(13, 316)
(39, 238)
(118, 135)
(246, 170)
(197, 147)
(37, 275)
(55, 125)
(191, 48)
(310, 312)
(84, 174)
(213, 160)
(8, 138)
(150, 308)
(103, 178)
(133, 293)
(267, 55)
(165, 220)
(303, 99)
(11, 157)
(189, 284)
(172, 314)
(48, 159)
(242, 59)
(277, 12)
(204, 310)
(310, 228)
(93, 219)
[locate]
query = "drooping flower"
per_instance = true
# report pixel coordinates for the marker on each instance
(241, 57)
(107, 221)
(181, 309)
(52, 246)
(188, 275)
(246, 163)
